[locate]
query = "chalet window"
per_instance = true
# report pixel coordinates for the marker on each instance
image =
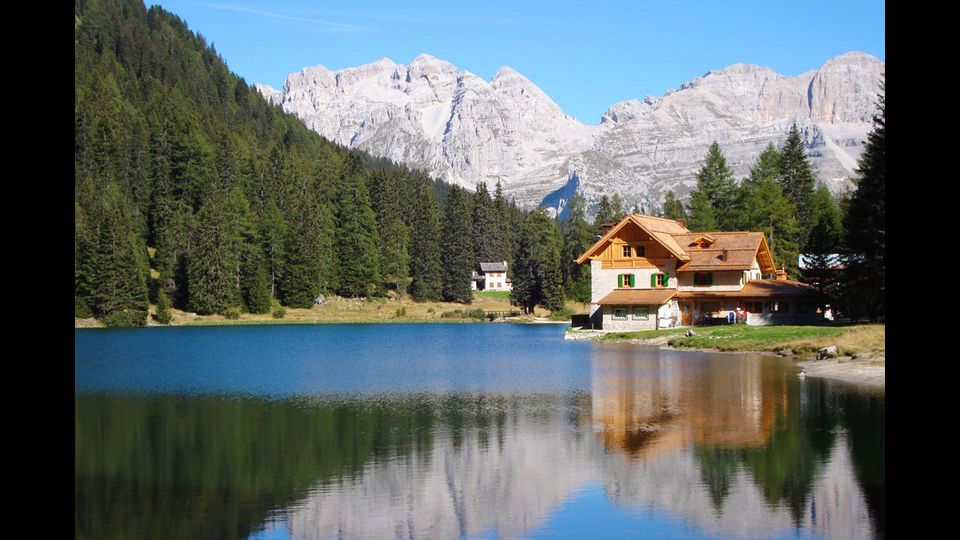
(626, 252)
(702, 279)
(778, 307)
(626, 280)
(619, 314)
(641, 251)
(754, 307)
(659, 280)
(641, 313)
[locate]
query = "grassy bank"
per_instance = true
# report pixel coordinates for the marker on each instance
(337, 310)
(802, 339)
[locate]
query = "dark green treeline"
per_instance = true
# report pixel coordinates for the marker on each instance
(192, 191)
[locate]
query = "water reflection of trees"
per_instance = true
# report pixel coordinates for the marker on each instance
(739, 447)
(197, 467)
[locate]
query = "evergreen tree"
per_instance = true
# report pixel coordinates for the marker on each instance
(273, 233)
(823, 242)
(766, 209)
(425, 269)
(673, 208)
(258, 295)
(394, 255)
(212, 264)
(163, 314)
(701, 215)
(715, 181)
(503, 236)
(301, 280)
(796, 179)
(616, 208)
(537, 278)
(865, 229)
(119, 284)
(606, 214)
(456, 255)
(359, 263)
(577, 238)
(484, 221)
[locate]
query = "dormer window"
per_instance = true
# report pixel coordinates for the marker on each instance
(626, 252)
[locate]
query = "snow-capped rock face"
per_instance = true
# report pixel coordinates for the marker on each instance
(465, 130)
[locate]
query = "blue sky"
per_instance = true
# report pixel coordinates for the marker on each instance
(585, 55)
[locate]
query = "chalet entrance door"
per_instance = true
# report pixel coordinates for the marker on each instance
(686, 314)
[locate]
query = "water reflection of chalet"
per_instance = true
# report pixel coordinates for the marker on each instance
(649, 406)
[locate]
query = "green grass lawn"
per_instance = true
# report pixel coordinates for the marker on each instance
(503, 296)
(801, 339)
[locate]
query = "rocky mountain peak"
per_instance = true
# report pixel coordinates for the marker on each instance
(461, 128)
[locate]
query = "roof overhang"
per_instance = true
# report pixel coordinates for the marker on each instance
(642, 297)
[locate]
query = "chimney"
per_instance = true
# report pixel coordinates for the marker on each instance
(682, 222)
(604, 227)
(726, 255)
(782, 273)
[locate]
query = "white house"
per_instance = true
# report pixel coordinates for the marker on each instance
(491, 276)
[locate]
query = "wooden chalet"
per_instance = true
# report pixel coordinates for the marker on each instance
(649, 272)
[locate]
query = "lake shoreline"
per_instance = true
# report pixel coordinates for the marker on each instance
(862, 348)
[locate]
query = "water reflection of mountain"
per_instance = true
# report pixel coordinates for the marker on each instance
(738, 448)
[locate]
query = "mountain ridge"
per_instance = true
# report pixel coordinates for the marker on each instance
(465, 130)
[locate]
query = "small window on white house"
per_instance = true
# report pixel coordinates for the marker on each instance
(641, 313)
(619, 314)
(626, 252)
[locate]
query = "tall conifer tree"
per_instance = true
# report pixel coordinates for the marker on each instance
(796, 179)
(359, 263)
(537, 277)
(457, 255)
(577, 238)
(425, 269)
(865, 227)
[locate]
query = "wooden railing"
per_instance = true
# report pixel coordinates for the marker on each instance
(497, 314)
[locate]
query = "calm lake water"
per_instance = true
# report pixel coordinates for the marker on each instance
(461, 431)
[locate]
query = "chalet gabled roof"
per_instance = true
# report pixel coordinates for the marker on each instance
(493, 267)
(725, 250)
(728, 251)
(660, 229)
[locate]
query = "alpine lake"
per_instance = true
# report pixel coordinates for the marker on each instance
(461, 431)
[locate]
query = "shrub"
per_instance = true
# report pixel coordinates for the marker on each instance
(431, 310)
(474, 314)
(401, 312)
(562, 314)
(232, 313)
(455, 314)
(162, 315)
(279, 313)
(125, 319)
(80, 309)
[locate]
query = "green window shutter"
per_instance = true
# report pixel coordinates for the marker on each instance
(619, 280)
(666, 280)
(653, 280)
(633, 280)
